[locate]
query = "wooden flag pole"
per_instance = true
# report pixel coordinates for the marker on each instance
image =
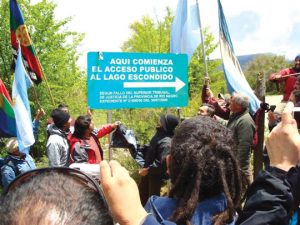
(260, 121)
(109, 120)
(290, 75)
(36, 97)
(44, 75)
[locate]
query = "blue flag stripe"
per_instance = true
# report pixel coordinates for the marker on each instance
(185, 31)
(234, 76)
(21, 107)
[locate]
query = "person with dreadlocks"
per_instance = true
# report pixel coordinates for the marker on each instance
(270, 198)
(206, 183)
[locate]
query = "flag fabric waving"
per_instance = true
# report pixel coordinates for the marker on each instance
(19, 33)
(234, 76)
(7, 115)
(185, 31)
(21, 106)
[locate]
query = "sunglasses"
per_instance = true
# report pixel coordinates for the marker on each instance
(76, 174)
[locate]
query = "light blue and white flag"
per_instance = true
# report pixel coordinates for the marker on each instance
(185, 31)
(21, 106)
(235, 79)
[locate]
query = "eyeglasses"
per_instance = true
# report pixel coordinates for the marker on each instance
(74, 173)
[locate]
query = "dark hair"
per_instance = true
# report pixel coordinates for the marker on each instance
(53, 197)
(62, 105)
(82, 123)
(60, 117)
(296, 94)
(169, 122)
(203, 164)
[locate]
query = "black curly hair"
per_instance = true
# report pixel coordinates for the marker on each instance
(82, 123)
(203, 164)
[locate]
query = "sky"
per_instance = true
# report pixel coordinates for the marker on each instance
(255, 26)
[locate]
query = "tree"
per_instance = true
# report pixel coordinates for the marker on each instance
(265, 64)
(56, 48)
(197, 68)
(149, 35)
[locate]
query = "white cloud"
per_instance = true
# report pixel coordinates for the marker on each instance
(276, 23)
(106, 22)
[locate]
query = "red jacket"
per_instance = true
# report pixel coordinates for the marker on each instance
(289, 81)
(221, 108)
(81, 151)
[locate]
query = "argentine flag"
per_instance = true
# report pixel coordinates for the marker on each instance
(234, 76)
(21, 106)
(185, 31)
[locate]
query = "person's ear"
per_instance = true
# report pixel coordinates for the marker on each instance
(168, 162)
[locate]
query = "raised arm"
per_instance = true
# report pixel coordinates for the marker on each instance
(273, 194)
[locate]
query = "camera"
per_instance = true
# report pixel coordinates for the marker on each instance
(267, 107)
(296, 115)
(92, 170)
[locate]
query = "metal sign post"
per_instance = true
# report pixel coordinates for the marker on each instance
(109, 121)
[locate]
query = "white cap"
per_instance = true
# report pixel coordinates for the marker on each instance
(12, 145)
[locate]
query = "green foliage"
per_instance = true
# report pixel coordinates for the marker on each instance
(149, 35)
(5, 47)
(265, 64)
(2, 147)
(42, 162)
(197, 68)
(56, 48)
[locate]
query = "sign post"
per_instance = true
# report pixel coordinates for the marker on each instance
(137, 80)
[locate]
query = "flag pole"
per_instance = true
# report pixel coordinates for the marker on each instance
(36, 97)
(46, 81)
(47, 84)
(202, 41)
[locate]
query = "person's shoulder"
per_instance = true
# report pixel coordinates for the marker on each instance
(161, 202)
(286, 71)
(247, 118)
(160, 207)
(55, 138)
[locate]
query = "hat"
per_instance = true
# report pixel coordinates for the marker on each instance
(60, 118)
(297, 57)
(12, 145)
(169, 122)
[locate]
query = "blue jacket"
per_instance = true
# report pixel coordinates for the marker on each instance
(270, 200)
(12, 166)
(162, 208)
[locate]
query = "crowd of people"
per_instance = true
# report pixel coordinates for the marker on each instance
(69, 141)
(206, 159)
(206, 185)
